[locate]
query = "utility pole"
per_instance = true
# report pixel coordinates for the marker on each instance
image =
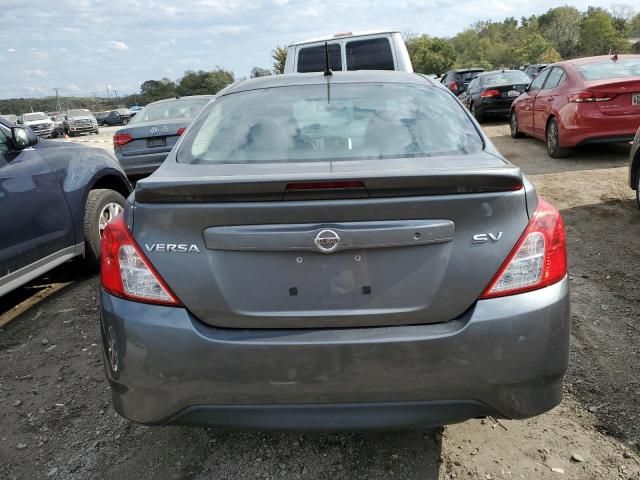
(57, 98)
(107, 91)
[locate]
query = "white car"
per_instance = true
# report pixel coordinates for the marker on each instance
(371, 50)
(40, 123)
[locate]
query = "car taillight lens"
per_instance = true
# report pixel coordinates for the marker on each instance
(490, 94)
(583, 97)
(181, 131)
(126, 272)
(120, 139)
(453, 86)
(538, 260)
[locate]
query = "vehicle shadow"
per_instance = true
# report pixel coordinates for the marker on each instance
(22, 299)
(224, 455)
(531, 153)
(604, 367)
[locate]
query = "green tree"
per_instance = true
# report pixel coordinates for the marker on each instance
(430, 55)
(533, 48)
(204, 83)
(260, 72)
(279, 56)
(153, 90)
(561, 26)
(598, 35)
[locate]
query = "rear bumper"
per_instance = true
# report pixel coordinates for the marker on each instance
(495, 107)
(141, 164)
(505, 357)
(589, 126)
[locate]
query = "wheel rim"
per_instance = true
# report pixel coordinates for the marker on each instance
(552, 137)
(514, 123)
(108, 213)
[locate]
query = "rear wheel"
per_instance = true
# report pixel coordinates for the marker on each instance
(125, 121)
(553, 140)
(513, 124)
(102, 206)
(478, 116)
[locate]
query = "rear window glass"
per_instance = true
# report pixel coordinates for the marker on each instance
(173, 110)
(314, 59)
(628, 67)
(505, 78)
(467, 76)
(373, 54)
(351, 122)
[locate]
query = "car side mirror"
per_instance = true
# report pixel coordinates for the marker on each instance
(23, 137)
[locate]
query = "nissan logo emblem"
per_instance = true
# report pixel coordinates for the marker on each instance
(327, 240)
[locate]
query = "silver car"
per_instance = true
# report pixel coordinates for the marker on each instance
(143, 144)
(334, 252)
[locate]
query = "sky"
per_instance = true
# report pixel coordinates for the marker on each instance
(86, 46)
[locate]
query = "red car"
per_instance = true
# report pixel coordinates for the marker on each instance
(580, 102)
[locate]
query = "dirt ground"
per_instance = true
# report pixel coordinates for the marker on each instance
(56, 419)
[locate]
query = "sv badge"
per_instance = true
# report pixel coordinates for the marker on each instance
(485, 237)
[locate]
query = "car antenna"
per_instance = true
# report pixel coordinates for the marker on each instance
(327, 69)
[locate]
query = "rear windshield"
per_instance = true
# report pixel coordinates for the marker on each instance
(505, 78)
(349, 122)
(628, 67)
(467, 76)
(372, 54)
(314, 59)
(173, 110)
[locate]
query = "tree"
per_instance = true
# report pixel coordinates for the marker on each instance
(279, 56)
(534, 48)
(561, 26)
(260, 72)
(204, 83)
(153, 90)
(598, 35)
(430, 55)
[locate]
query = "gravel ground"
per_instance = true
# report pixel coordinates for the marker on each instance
(56, 419)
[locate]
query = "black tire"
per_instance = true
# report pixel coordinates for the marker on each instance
(553, 140)
(96, 131)
(477, 115)
(98, 202)
(513, 125)
(125, 121)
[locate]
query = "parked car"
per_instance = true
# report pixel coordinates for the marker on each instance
(122, 116)
(79, 121)
(352, 257)
(634, 166)
(144, 144)
(457, 80)
(534, 70)
(101, 118)
(491, 94)
(370, 50)
(58, 124)
(10, 118)
(55, 200)
(40, 123)
(580, 102)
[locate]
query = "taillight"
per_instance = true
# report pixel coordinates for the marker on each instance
(490, 93)
(538, 260)
(453, 86)
(586, 96)
(181, 131)
(126, 272)
(120, 139)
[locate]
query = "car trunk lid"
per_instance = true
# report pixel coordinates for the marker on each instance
(623, 96)
(151, 138)
(360, 248)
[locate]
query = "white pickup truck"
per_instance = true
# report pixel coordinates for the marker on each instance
(371, 50)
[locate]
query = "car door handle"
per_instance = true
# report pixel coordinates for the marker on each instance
(549, 99)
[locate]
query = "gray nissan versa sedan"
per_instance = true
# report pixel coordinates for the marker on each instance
(336, 252)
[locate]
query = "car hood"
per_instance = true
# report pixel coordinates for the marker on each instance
(36, 122)
(83, 117)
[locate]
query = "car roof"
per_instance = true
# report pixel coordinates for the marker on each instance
(316, 78)
(338, 36)
(463, 70)
(599, 58)
(188, 97)
(495, 72)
